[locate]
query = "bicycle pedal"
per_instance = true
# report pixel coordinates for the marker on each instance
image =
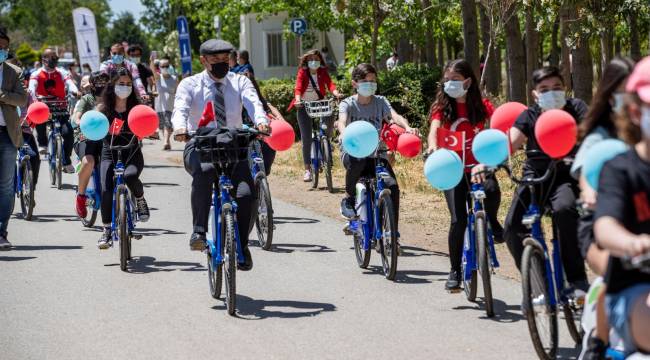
(137, 236)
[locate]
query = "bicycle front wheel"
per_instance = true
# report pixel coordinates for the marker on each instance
(230, 263)
(315, 164)
(264, 221)
(362, 255)
(326, 151)
(388, 239)
(469, 285)
(59, 162)
(51, 159)
(573, 316)
(540, 314)
(484, 262)
(122, 228)
(26, 191)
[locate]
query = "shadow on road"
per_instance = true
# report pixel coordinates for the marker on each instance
(406, 276)
(16, 258)
(68, 187)
(156, 232)
(46, 247)
(152, 184)
(289, 248)
(162, 166)
(252, 309)
(52, 218)
(148, 264)
(294, 220)
(412, 251)
(503, 312)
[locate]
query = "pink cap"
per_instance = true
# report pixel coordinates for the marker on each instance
(639, 80)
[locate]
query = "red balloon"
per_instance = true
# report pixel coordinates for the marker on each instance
(409, 145)
(556, 132)
(143, 121)
(282, 135)
(38, 112)
(506, 115)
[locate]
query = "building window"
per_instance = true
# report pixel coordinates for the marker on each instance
(274, 49)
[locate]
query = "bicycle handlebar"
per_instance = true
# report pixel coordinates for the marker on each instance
(638, 262)
(122, 147)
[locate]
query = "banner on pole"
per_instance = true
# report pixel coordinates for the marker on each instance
(86, 34)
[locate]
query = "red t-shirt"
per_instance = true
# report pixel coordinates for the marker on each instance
(462, 124)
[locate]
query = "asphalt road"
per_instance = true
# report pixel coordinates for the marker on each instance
(62, 298)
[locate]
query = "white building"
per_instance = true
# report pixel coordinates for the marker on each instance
(273, 56)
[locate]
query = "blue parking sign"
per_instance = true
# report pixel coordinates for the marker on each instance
(184, 44)
(298, 26)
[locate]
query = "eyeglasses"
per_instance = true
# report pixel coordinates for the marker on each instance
(164, 66)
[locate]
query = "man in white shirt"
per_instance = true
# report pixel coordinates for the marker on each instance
(392, 62)
(229, 94)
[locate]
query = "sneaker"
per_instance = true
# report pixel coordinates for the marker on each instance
(4, 243)
(81, 206)
(347, 208)
(453, 281)
(247, 265)
(197, 242)
(42, 150)
(106, 240)
(307, 177)
(167, 147)
(68, 169)
(596, 349)
(143, 209)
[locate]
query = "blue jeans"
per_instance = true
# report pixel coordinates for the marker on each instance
(7, 173)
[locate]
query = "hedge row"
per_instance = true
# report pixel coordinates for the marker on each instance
(409, 88)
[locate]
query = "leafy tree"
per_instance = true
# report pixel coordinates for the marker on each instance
(124, 28)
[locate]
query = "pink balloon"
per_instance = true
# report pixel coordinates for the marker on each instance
(409, 145)
(282, 135)
(506, 115)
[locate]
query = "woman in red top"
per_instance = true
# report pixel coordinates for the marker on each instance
(312, 83)
(461, 111)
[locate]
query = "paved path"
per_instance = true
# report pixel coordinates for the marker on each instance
(61, 298)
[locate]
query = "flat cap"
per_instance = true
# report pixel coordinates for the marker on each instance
(214, 46)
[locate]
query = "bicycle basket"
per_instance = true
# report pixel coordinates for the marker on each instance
(222, 146)
(319, 108)
(58, 108)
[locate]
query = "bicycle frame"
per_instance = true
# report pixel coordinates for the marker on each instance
(55, 132)
(469, 250)
(24, 154)
(222, 201)
(256, 160)
(118, 170)
(317, 137)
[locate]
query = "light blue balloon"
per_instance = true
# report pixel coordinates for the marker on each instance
(597, 156)
(94, 125)
(443, 169)
(360, 139)
(490, 147)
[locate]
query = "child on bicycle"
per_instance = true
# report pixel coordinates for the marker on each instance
(622, 223)
(459, 107)
(88, 151)
(375, 109)
(117, 101)
(560, 191)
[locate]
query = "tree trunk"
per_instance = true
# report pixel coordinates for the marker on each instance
(516, 57)
(450, 50)
(635, 46)
(554, 56)
(470, 34)
(583, 70)
(405, 50)
(441, 52)
(565, 18)
(617, 46)
(430, 41)
(492, 67)
(532, 56)
(377, 20)
(606, 45)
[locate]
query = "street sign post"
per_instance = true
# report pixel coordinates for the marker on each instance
(184, 44)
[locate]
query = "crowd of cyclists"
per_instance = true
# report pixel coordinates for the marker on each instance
(605, 227)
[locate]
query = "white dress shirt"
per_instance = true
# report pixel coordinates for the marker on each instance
(2, 118)
(195, 91)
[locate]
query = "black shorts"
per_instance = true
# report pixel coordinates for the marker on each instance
(88, 147)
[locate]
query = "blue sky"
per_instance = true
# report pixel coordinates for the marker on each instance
(133, 6)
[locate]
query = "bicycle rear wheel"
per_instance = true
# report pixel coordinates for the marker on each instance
(362, 255)
(230, 263)
(484, 262)
(315, 162)
(122, 227)
(326, 152)
(541, 316)
(573, 316)
(388, 239)
(264, 220)
(26, 192)
(59, 162)
(469, 285)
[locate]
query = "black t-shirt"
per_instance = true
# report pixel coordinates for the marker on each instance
(526, 124)
(145, 73)
(624, 193)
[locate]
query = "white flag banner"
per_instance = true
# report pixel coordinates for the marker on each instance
(87, 42)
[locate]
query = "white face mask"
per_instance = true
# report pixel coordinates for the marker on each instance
(135, 59)
(645, 121)
(367, 88)
(164, 71)
(455, 89)
(123, 91)
(619, 101)
(555, 99)
(314, 64)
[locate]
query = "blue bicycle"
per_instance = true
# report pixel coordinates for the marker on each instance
(93, 198)
(264, 220)
(321, 148)
(124, 215)
(375, 222)
(542, 278)
(59, 113)
(24, 180)
(479, 255)
(224, 245)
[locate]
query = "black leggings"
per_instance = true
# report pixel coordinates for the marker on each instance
(457, 204)
(35, 160)
(134, 166)
(66, 133)
(305, 123)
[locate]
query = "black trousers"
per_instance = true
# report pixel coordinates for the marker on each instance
(134, 163)
(203, 177)
(457, 204)
(356, 168)
(66, 133)
(560, 193)
(34, 161)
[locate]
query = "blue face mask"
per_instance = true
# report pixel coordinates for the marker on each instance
(367, 88)
(117, 59)
(3, 55)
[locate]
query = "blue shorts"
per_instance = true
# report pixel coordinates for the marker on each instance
(618, 307)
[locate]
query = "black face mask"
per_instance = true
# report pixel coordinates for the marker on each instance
(97, 90)
(51, 63)
(219, 70)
